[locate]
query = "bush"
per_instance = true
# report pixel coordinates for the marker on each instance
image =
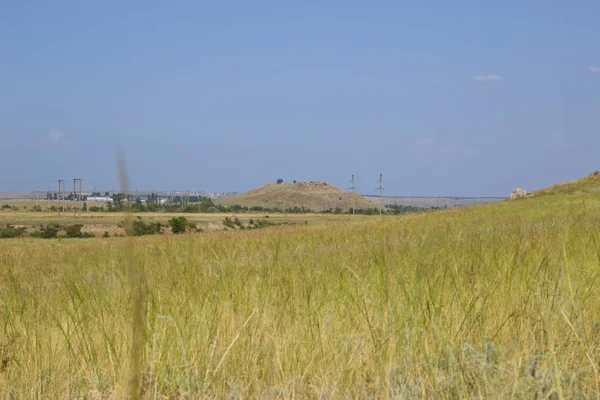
(48, 232)
(11, 232)
(178, 224)
(106, 234)
(74, 231)
(140, 228)
(228, 222)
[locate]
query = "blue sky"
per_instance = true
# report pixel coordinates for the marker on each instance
(465, 98)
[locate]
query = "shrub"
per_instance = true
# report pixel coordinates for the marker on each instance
(228, 222)
(11, 232)
(106, 234)
(140, 228)
(178, 224)
(74, 231)
(48, 232)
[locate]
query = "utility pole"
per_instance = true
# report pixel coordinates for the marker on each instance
(80, 197)
(381, 194)
(353, 192)
(60, 196)
(74, 196)
(37, 198)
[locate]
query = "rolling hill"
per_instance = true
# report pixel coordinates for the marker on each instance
(311, 195)
(588, 184)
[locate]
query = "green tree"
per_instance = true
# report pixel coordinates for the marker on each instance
(279, 181)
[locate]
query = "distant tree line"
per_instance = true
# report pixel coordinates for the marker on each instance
(196, 204)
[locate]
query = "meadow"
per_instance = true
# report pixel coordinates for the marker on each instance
(493, 301)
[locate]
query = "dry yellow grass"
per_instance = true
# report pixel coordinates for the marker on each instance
(492, 301)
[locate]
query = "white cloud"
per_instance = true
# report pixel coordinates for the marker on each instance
(56, 136)
(594, 69)
(490, 77)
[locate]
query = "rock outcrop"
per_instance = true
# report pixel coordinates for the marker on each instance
(518, 193)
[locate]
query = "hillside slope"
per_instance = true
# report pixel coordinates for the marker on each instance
(311, 195)
(588, 184)
(494, 301)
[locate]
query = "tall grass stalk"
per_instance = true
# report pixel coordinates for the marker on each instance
(490, 301)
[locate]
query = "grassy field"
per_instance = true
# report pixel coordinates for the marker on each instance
(499, 301)
(100, 222)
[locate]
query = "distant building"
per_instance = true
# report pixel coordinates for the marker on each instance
(104, 199)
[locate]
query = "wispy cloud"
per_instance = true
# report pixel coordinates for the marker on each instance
(490, 77)
(594, 70)
(56, 137)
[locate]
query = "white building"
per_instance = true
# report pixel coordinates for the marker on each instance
(104, 199)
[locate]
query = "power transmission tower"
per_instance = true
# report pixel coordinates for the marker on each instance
(380, 194)
(353, 194)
